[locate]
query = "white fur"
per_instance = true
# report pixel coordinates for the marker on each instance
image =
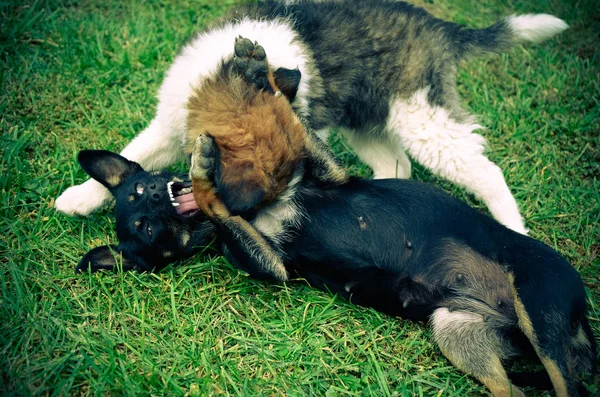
(160, 145)
(473, 347)
(385, 155)
(323, 134)
(451, 150)
(442, 319)
(82, 199)
(535, 27)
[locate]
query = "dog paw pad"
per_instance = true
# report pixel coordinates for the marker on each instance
(250, 58)
(203, 160)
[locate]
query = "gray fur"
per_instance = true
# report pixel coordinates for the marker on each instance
(397, 49)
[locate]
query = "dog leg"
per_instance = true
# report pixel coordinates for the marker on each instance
(451, 150)
(152, 149)
(106, 257)
(385, 156)
(250, 59)
(323, 164)
(243, 241)
(559, 339)
(473, 346)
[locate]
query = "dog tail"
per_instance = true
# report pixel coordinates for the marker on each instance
(512, 30)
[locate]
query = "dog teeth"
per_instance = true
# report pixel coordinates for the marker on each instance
(186, 190)
(174, 204)
(170, 190)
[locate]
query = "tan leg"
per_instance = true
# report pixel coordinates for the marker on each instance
(474, 347)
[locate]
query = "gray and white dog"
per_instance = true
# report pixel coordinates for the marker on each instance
(382, 72)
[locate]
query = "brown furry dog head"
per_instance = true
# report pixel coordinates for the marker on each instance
(260, 138)
(261, 141)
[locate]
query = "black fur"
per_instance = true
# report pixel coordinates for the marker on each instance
(151, 235)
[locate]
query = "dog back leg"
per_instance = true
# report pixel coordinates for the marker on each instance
(452, 150)
(385, 155)
(250, 249)
(251, 60)
(322, 163)
(475, 347)
(562, 344)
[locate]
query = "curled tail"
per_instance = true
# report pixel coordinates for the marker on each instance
(508, 32)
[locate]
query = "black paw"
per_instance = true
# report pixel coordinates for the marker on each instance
(203, 158)
(250, 60)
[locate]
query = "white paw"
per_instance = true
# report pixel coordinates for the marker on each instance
(396, 172)
(83, 199)
(400, 173)
(519, 228)
(514, 223)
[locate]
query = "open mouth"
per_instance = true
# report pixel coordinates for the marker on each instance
(182, 198)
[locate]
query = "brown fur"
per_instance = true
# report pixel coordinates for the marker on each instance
(474, 275)
(207, 200)
(210, 203)
(260, 138)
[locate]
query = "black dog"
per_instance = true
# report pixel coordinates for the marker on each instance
(402, 247)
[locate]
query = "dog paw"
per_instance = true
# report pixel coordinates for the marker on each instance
(519, 228)
(83, 199)
(203, 158)
(250, 59)
(516, 224)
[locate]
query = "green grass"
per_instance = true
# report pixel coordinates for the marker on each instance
(84, 74)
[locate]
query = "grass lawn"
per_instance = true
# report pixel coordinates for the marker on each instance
(84, 74)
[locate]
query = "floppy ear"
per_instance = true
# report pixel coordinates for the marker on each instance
(108, 168)
(288, 81)
(106, 257)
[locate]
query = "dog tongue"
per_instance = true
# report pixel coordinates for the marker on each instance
(186, 203)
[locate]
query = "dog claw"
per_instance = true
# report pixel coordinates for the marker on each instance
(243, 47)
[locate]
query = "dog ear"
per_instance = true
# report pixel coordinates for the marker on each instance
(106, 257)
(288, 81)
(108, 168)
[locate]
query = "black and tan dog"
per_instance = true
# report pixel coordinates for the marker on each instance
(401, 247)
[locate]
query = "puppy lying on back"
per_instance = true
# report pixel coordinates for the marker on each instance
(401, 247)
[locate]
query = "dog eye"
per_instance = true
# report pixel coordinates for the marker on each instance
(139, 188)
(149, 230)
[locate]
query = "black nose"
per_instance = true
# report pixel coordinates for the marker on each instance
(154, 193)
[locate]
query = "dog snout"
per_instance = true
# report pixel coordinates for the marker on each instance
(155, 194)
